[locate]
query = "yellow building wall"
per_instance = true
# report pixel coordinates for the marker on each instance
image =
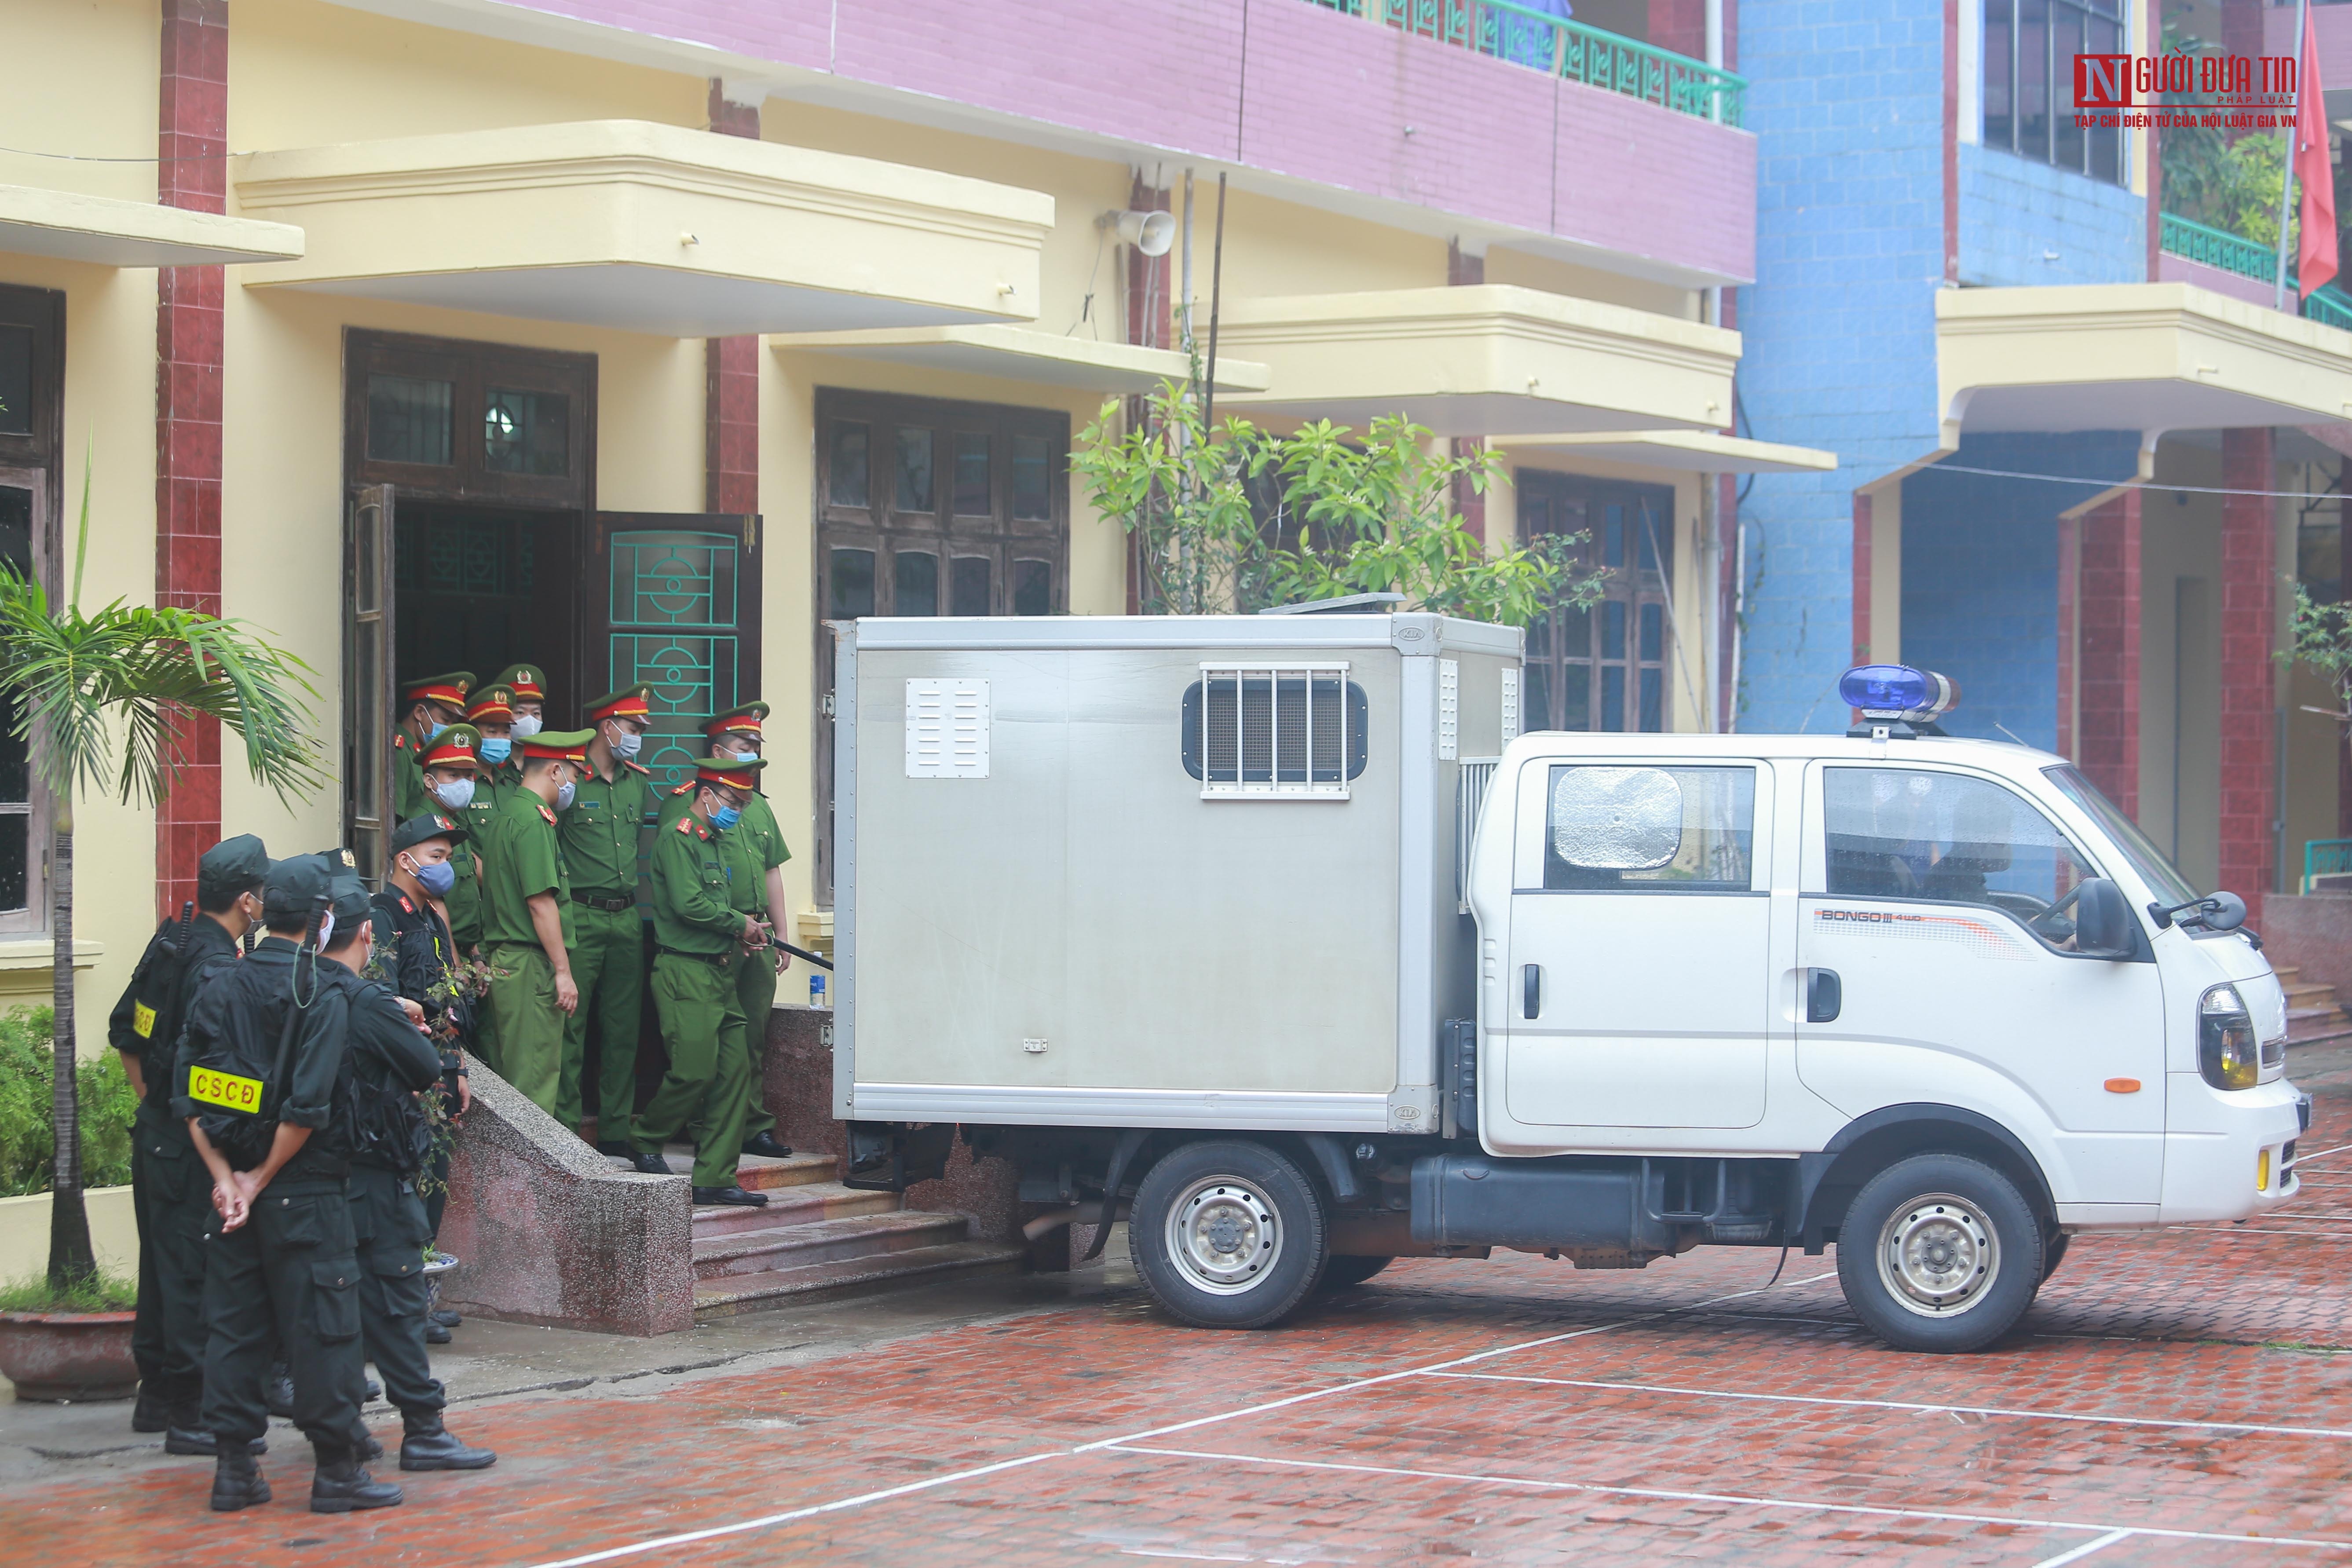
(307, 73)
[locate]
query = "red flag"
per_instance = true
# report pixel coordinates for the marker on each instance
(2315, 258)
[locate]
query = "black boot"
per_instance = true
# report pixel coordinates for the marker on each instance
(445, 1317)
(649, 1161)
(430, 1446)
(340, 1486)
(194, 1441)
(766, 1144)
(153, 1410)
(238, 1483)
(277, 1393)
(434, 1334)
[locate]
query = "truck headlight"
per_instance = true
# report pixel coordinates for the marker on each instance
(2227, 1054)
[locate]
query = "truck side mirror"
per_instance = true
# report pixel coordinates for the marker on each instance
(2224, 911)
(2103, 923)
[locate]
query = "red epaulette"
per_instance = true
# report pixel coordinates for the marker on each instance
(685, 825)
(683, 788)
(639, 766)
(405, 907)
(547, 814)
(400, 739)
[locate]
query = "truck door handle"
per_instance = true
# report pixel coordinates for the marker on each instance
(1532, 989)
(1824, 995)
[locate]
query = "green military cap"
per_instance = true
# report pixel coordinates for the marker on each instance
(448, 690)
(558, 746)
(628, 702)
(432, 825)
(729, 773)
(528, 681)
(743, 720)
(233, 865)
(458, 746)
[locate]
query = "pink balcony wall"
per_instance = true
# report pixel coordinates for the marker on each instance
(1313, 96)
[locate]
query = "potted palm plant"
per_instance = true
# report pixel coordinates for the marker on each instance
(103, 698)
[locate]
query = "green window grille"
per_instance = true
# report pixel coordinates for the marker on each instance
(673, 623)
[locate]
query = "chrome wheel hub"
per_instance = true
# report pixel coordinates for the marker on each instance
(1938, 1254)
(1222, 1235)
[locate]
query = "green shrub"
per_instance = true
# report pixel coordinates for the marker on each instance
(99, 1294)
(27, 1145)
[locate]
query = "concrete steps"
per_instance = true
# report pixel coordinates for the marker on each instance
(815, 1238)
(2313, 1014)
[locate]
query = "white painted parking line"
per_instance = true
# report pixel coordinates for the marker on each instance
(1738, 1499)
(767, 1522)
(2320, 1154)
(2338, 1434)
(2079, 1553)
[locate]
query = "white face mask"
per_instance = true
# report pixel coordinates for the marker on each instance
(563, 796)
(527, 725)
(624, 744)
(326, 930)
(457, 793)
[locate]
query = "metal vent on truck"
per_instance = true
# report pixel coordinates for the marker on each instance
(1477, 776)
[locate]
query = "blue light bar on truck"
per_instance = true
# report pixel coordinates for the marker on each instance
(1898, 692)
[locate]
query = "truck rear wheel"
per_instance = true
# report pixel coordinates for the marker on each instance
(1939, 1253)
(1227, 1235)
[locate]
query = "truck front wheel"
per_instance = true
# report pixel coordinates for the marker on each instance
(1939, 1253)
(1227, 1235)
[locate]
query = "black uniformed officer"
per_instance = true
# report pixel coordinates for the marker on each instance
(171, 1193)
(415, 934)
(392, 1060)
(282, 1262)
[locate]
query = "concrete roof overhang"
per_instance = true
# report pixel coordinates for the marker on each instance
(650, 228)
(1023, 353)
(1485, 360)
(1686, 451)
(35, 221)
(2150, 357)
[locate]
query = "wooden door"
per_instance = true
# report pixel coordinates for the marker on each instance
(370, 701)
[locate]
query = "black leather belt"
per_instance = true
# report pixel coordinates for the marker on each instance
(719, 961)
(612, 904)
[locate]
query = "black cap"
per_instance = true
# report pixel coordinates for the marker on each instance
(292, 883)
(432, 825)
(351, 907)
(232, 867)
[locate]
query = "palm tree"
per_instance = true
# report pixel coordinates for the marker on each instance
(77, 684)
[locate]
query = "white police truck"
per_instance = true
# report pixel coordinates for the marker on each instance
(1275, 937)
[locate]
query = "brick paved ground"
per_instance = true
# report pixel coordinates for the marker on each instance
(2197, 1381)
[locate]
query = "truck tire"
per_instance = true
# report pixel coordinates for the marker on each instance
(1227, 1233)
(1351, 1268)
(1939, 1253)
(2053, 1252)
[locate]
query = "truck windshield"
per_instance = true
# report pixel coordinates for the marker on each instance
(2136, 847)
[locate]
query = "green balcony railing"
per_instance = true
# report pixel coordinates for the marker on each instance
(1568, 49)
(2326, 858)
(2227, 252)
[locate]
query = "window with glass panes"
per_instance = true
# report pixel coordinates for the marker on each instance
(928, 508)
(2029, 81)
(32, 386)
(1601, 665)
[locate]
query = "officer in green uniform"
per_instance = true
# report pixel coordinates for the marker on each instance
(431, 705)
(599, 834)
(491, 712)
(699, 942)
(281, 1266)
(526, 930)
(757, 838)
(171, 1193)
(528, 684)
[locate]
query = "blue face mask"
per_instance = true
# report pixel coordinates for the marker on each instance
(726, 816)
(438, 877)
(433, 731)
(496, 749)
